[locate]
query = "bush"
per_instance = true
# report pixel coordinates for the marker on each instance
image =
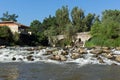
(6, 35)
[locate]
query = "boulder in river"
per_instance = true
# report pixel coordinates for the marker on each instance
(82, 51)
(117, 48)
(64, 53)
(30, 58)
(63, 58)
(96, 51)
(117, 58)
(75, 55)
(108, 55)
(100, 60)
(13, 58)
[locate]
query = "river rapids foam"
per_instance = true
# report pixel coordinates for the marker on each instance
(19, 54)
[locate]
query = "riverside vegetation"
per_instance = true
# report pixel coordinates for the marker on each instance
(105, 30)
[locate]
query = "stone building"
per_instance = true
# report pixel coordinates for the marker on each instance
(15, 27)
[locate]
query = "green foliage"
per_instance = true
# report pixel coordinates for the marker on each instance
(77, 18)
(61, 24)
(9, 17)
(62, 16)
(16, 37)
(6, 35)
(81, 22)
(37, 29)
(64, 42)
(107, 32)
(35, 26)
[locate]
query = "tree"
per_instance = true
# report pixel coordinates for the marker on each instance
(6, 34)
(113, 15)
(35, 26)
(49, 22)
(107, 31)
(9, 17)
(88, 21)
(38, 33)
(77, 17)
(62, 18)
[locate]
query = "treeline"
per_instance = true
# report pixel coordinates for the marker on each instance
(65, 22)
(106, 32)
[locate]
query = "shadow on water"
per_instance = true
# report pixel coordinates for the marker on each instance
(49, 71)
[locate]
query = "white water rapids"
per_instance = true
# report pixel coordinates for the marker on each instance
(20, 54)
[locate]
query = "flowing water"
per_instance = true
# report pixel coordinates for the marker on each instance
(50, 71)
(42, 68)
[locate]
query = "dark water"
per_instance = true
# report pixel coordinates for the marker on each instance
(49, 71)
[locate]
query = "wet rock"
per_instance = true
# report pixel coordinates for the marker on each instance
(30, 58)
(48, 53)
(100, 60)
(105, 48)
(117, 48)
(13, 58)
(63, 58)
(68, 46)
(58, 57)
(30, 49)
(106, 51)
(82, 51)
(96, 51)
(64, 53)
(2, 46)
(31, 52)
(114, 64)
(117, 58)
(55, 57)
(20, 59)
(75, 55)
(108, 55)
(55, 52)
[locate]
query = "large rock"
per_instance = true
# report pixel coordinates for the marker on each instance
(96, 51)
(106, 51)
(82, 51)
(75, 55)
(100, 60)
(64, 53)
(13, 58)
(117, 48)
(117, 58)
(105, 48)
(2, 46)
(30, 58)
(48, 53)
(63, 58)
(58, 57)
(55, 57)
(108, 55)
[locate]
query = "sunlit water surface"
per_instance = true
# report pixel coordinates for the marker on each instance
(51, 71)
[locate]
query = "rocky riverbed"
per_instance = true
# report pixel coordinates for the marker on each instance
(80, 55)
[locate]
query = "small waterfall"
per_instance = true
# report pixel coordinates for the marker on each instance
(56, 55)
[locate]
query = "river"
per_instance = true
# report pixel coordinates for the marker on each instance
(16, 65)
(51, 71)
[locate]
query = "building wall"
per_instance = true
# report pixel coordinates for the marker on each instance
(13, 27)
(84, 36)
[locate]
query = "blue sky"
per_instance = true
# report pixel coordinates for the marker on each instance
(29, 10)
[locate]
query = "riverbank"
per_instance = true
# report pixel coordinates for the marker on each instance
(80, 55)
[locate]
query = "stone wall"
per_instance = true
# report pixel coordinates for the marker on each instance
(79, 38)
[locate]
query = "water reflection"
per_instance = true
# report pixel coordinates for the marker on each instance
(9, 72)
